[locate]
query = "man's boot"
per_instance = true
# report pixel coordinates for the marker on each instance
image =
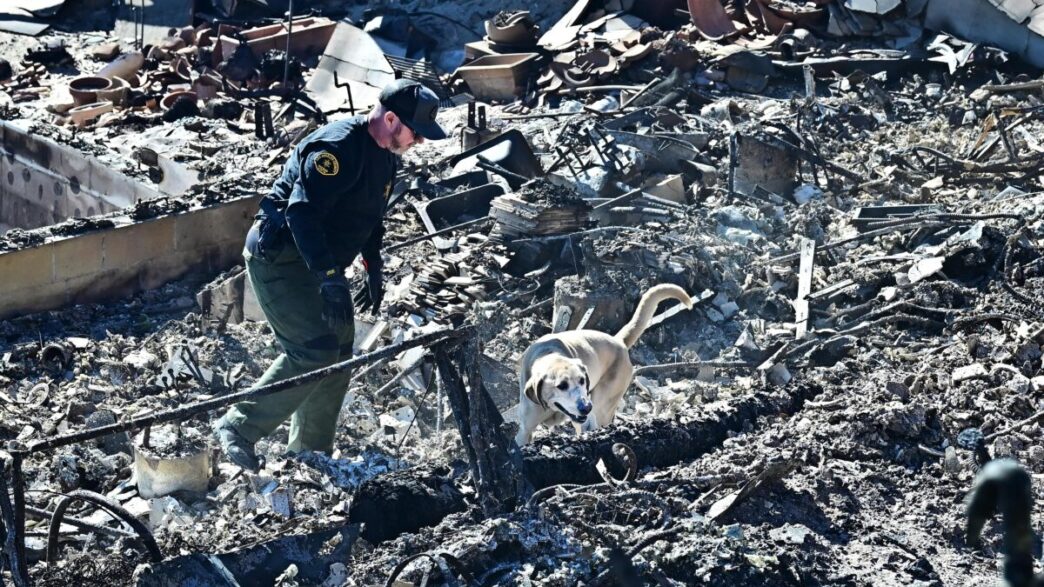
(238, 450)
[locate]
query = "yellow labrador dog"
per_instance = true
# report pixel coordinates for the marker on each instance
(582, 374)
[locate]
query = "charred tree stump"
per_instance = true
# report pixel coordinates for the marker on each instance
(495, 462)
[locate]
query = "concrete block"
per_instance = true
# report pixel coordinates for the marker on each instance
(166, 268)
(223, 300)
(142, 242)
(251, 308)
(76, 256)
(106, 284)
(212, 225)
(45, 296)
(119, 262)
(26, 268)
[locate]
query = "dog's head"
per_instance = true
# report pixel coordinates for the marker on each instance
(562, 384)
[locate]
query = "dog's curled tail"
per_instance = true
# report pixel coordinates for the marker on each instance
(633, 330)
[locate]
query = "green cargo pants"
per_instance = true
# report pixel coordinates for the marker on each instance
(288, 293)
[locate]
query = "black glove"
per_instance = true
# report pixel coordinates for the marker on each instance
(371, 293)
(337, 299)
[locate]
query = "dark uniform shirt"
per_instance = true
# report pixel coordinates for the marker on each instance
(333, 193)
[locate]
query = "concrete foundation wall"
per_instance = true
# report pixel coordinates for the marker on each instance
(114, 263)
(43, 182)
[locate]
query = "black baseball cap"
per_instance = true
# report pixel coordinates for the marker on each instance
(415, 105)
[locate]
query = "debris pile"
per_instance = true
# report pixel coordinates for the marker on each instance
(849, 191)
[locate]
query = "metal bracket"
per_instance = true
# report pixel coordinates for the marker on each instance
(585, 318)
(607, 149)
(801, 310)
(561, 319)
(347, 88)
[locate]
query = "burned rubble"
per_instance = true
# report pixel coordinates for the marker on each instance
(850, 192)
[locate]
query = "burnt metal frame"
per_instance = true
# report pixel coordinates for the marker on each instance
(423, 72)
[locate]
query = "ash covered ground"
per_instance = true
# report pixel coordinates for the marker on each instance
(841, 457)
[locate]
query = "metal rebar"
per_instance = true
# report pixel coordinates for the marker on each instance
(694, 365)
(289, 35)
(440, 232)
(184, 412)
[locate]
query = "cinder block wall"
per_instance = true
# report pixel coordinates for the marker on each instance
(114, 263)
(43, 182)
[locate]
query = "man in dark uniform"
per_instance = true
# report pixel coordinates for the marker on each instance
(326, 208)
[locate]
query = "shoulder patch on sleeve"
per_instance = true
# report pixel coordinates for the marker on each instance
(326, 163)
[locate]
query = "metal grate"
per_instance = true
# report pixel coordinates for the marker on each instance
(423, 72)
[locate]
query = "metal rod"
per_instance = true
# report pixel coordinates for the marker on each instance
(289, 35)
(396, 379)
(694, 365)
(917, 223)
(114, 532)
(509, 175)
(182, 413)
(440, 232)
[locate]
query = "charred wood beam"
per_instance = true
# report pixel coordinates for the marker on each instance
(408, 500)
(13, 513)
(495, 462)
(662, 443)
(458, 400)
(503, 455)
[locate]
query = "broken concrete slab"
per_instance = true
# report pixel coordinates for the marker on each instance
(22, 22)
